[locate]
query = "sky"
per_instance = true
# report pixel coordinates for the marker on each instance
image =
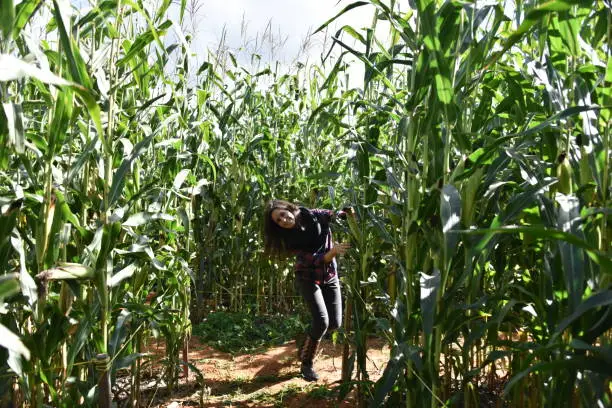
(278, 30)
(245, 21)
(289, 21)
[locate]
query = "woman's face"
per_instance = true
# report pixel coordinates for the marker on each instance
(283, 218)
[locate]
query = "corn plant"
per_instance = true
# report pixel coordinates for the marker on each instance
(455, 145)
(475, 151)
(76, 210)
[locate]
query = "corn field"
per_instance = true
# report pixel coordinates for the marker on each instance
(475, 150)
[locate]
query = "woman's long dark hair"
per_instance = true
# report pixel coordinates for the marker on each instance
(274, 235)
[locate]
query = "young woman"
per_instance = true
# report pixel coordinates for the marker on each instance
(306, 233)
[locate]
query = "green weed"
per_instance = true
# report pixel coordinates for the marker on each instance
(242, 332)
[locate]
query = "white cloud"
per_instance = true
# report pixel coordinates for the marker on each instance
(289, 21)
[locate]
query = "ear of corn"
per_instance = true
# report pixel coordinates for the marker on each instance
(564, 175)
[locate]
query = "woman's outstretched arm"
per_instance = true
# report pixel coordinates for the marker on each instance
(338, 249)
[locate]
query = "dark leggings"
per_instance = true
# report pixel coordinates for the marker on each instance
(325, 304)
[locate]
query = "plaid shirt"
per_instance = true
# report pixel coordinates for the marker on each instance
(310, 265)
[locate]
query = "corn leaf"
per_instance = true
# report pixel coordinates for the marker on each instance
(7, 18)
(430, 285)
(12, 342)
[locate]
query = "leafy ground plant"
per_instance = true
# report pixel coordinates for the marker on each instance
(243, 332)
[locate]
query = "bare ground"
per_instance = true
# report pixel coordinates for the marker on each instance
(269, 378)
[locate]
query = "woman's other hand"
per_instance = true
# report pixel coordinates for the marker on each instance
(338, 249)
(349, 211)
(341, 248)
(346, 212)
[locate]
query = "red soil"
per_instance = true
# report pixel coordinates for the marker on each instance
(266, 379)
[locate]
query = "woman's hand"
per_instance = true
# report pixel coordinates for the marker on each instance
(338, 249)
(346, 212)
(341, 248)
(349, 211)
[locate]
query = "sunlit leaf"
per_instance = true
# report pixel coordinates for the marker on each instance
(66, 271)
(7, 18)
(24, 12)
(141, 218)
(12, 342)
(430, 285)
(180, 179)
(12, 68)
(14, 115)
(450, 216)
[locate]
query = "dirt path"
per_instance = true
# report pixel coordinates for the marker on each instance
(267, 379)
